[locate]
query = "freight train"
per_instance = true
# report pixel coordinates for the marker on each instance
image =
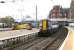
(48, 27)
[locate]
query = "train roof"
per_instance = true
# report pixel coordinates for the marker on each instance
(60, 19)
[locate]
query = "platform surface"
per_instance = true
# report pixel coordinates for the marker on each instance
(68, 43)
(16, 33)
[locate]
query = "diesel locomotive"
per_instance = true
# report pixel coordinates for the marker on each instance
(48, 28)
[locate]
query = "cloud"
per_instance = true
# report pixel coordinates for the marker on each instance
(28, 7)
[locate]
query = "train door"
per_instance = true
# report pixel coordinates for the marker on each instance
(43, 25)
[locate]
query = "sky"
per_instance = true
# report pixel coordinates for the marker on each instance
(22, 8)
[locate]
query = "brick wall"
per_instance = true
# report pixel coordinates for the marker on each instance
(59, 12)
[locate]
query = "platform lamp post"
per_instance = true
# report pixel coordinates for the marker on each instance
(36, 12)
(70, 13)
(36, 18)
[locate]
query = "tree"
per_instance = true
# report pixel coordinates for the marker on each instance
(8, 20)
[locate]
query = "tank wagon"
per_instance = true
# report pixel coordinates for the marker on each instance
(48, 27)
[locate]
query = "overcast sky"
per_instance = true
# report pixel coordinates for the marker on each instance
(28, 7)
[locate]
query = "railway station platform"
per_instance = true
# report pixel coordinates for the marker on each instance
(68, 43)
(15, 37)
(16, 33)
(6, 29)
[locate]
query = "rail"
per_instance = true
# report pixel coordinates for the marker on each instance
(43, 45)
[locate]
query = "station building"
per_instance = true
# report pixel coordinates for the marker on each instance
(58, 12)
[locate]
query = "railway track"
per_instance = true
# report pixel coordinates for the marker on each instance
(30, 44)
(57, 43)
(43, 43)
(53, 41)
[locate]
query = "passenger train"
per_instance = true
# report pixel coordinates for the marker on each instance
(48, 27)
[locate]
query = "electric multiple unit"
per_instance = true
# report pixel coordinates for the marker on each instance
(48, 27)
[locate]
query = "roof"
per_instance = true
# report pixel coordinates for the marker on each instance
(60, 19)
